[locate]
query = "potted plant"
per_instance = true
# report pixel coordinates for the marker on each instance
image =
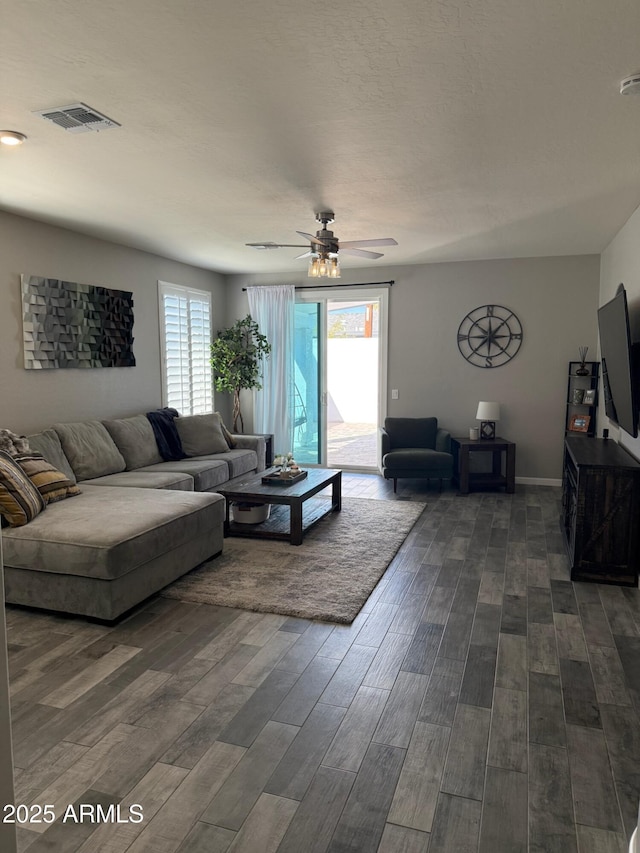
(236, 359)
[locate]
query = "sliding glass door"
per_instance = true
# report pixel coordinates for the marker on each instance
(340, 377)
(308, 435)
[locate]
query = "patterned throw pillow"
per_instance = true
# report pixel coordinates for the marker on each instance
(12, 443)
(52, 484)
(20, 501)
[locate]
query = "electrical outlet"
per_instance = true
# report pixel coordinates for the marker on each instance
(394, 394)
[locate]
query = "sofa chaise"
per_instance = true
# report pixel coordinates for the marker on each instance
(139, 521)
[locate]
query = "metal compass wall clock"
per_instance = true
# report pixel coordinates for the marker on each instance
(489, 336)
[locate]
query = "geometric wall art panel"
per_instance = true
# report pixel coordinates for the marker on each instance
(66, 324)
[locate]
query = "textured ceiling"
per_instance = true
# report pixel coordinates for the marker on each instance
(465, 130)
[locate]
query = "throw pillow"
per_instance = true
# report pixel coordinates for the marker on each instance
(48, 444)
(52, 484)
(20, 501)
(90, 449)
(201, 435)
(136, 441)
(12, 443)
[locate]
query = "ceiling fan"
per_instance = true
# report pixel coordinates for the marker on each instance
(325, 248)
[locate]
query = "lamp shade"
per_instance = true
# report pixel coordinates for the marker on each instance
(488, 411)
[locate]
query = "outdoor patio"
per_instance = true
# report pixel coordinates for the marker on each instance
(352, 445)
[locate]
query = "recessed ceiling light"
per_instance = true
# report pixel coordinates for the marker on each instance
(11, 137)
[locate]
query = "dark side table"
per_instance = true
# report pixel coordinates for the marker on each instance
(462, 449)
(268, 441)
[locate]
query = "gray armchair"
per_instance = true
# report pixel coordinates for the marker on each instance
(415, 447)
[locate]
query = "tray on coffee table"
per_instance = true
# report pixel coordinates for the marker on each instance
(277, 479)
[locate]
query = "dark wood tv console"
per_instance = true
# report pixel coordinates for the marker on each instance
(601, 511)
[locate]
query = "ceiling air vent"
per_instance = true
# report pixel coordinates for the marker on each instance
(77, 118)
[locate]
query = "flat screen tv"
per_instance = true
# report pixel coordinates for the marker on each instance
(619, 359)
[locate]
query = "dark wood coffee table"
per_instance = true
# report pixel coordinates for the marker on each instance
(302, 513)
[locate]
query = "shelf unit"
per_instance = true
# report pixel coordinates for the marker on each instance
(575, 384)
(600, 507)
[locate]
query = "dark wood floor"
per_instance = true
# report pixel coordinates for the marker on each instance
(480, 702)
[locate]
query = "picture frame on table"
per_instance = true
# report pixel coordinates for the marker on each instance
(579, 423)
(589, 398)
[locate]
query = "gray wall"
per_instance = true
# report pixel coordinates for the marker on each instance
(621, 265)
(556, 300)
(33, 399)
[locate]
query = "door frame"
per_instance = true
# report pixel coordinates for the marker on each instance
(327, 294)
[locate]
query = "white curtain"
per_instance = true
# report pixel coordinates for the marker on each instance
(272, 308)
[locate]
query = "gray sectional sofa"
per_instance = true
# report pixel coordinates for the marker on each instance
(139, 522)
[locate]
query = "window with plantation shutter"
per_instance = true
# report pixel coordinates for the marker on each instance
(185, 337)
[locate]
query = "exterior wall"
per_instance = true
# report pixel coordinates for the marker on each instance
(34, 399)
(352, 369)
(620, 264)
(556, 300)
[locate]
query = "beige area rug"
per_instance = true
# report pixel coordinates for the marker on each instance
(329, 577)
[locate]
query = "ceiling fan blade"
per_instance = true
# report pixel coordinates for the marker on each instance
(312, 238)
(269, 245)
(381, 241)
(304, 255)
(361, 253)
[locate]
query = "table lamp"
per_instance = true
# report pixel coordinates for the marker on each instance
(488, 414)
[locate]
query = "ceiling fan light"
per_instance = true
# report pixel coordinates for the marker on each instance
(323, 248)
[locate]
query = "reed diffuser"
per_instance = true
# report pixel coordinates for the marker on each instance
(583, 370)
